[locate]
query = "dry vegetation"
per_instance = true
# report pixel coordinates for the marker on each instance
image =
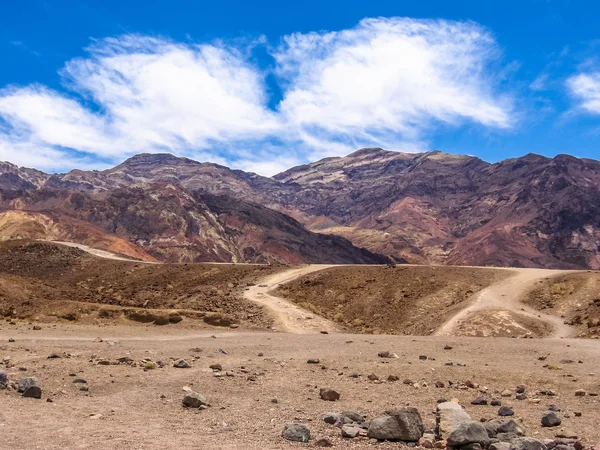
(402, 300)
(46, 282)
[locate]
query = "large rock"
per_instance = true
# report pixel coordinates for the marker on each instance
(500, 426)
(526, 443)
(551, 419)
(26, 383)
(297, 432)
(468, 432)
(33, 392)
(329, 395)
(449, 416)
(194, 400)
(402, 424)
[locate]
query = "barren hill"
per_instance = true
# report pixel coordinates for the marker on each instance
(425, 208)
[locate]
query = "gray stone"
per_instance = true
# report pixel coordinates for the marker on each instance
(296, 432)
(499, 446)
(27, 382)
(449, 416)
(332, 418)
(402, 424)
(496, 426)
(182, 364)
(526, 443)
(329, 395)
(353, 416)
(468, 432)
(33, 392)
(350, 431)
(3, 377)
(551, 419)
(506, 411)
(194, 400)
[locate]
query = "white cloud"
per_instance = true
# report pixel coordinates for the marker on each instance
(387, 79)
(585, 87)
(384, 83)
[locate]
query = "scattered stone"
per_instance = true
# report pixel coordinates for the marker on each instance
(526, 443)
(216, 367)
(33, 392)
(26, 383)
(182, 364)
(521, 389)
(10, 340)
(423, 358)
(36, 328)
(506, 393)
(479, 401)
(403, 424)
(383, 354)
(551, 419)
(313, 361)
(79, 381)
(449, 415)
(521, 396)
(329, 395)
(194, 400)
(350, 431)
(566, 434)
(496, 403)
(469, 432)
(373, 377)
(447, 347)
(296, 432)
(580, 393)
(392, 378)
(332, 418)
(506, 411)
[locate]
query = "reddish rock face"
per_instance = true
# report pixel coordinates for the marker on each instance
(426, 208)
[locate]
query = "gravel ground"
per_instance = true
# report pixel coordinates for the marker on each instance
(129, 408)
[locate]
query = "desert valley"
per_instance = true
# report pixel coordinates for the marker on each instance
(379, 300)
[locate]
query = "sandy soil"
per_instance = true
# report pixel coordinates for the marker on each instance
(127, 407)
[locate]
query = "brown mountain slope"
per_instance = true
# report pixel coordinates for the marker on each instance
(175, 225)
(427, 208)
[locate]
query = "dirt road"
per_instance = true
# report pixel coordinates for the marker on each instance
(96, 252)
(288, 316)
(505, 296)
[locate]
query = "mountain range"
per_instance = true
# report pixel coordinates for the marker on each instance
(424, 208)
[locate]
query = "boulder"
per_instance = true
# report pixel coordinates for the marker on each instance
(499, 446)
(296, 432)
(194, 400)
(526, 443)
(33, 392)
(449, 416)
(402, 424)
(551, 419)
(27, 382)
(469, 432)
(329, 395)
(499, 426)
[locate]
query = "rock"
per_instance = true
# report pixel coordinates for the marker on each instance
(447, 347)
(521, 389)
(329, 395)
(498, 426)
(506, 411)
(3, 377)
(11, 340)
(350, 431)
(525, 443)
(383, 354)
(496, 403)
(566, 434)
(521, 396)
(506, 393)
(79, 381)
(423, 358)
(353, 416)
(468, 432)
(393, 378)
(182, 364)
(25, 383)
(499, 446)
(373, 377)
(296, 432)
(402, 424)
(217, 367)
(194, 400)
(313, 361)
(449, 415)
(36, 328)
(580, 393)
(332, 418)
(551, 419)
(479, 401)
(33, 392)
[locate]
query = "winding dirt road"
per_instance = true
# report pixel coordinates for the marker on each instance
(506, 296)
(288, 316)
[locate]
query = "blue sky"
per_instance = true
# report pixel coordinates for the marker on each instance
(266, 85)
